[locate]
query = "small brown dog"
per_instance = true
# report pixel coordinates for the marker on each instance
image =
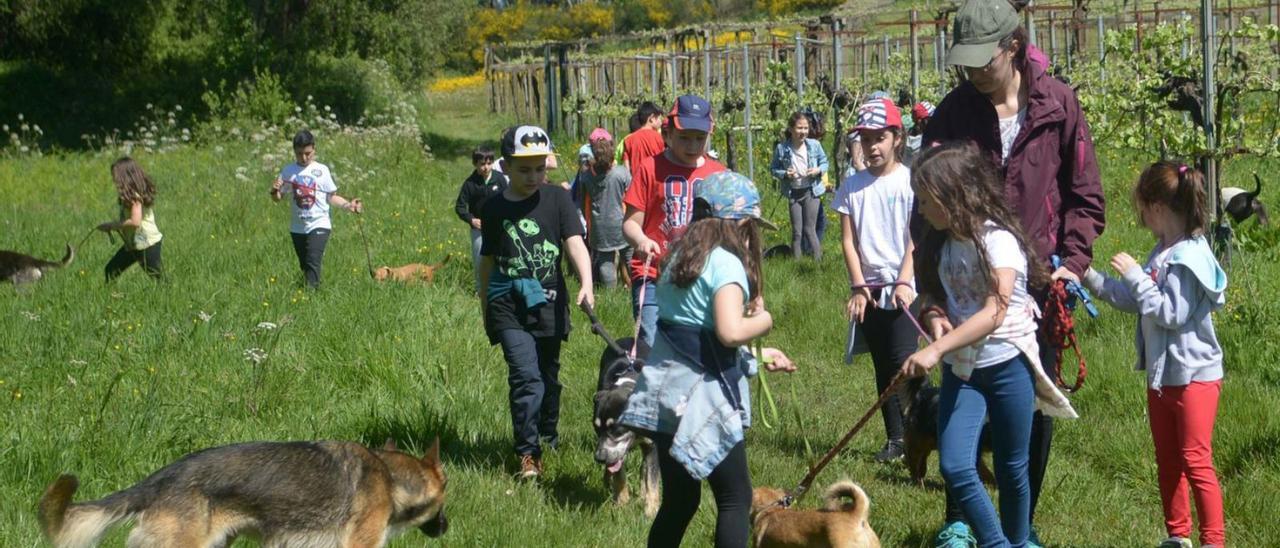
(410, 273)
(841, 524)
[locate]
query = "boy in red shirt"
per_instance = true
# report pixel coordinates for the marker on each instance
(659, 202)
(646, 141)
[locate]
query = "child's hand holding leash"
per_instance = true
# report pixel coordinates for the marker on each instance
(774, 360)
(904, 296)
(586, 296)
(355, 206)
(920, 363)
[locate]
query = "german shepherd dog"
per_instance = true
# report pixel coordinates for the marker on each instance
(614, 386)
(921, 433)
(840, 524)
(21, 269)
(314, 494)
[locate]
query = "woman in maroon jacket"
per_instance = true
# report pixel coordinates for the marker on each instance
(1032, 126)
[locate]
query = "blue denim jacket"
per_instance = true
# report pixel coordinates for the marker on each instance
(782, 162)
(675, 395)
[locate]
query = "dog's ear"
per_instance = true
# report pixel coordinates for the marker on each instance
(390, 445)
(433, 453)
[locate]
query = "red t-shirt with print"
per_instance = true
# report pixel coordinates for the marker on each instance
(663, 190)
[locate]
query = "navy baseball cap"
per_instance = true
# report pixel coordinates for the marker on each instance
(691, 112)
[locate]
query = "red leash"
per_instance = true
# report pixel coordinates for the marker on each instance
(1060, 332)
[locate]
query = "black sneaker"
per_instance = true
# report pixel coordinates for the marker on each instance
(891, 451)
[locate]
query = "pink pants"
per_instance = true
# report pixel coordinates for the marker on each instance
(1182, 427)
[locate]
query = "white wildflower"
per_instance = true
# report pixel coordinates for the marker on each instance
(204, 316)
(255, 355)
(267, 326)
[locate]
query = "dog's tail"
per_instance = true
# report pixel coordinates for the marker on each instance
(69, 525)
(1257, 185)
(857, 502)
(70, 256)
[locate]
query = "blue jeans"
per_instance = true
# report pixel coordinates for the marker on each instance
(476, 240)
(1007, 392)
(533, 376)
(648, 311)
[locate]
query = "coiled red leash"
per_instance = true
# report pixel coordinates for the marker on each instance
(1059, 330)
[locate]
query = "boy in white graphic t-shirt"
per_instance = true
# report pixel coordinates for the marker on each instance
(311, 186)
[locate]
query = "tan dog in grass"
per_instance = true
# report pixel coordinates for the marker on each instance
(410, 273)
(840, 524)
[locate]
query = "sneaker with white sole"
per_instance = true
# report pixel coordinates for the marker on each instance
(530, 467)
(955, 534)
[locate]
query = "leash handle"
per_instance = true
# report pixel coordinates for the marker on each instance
(644, 275)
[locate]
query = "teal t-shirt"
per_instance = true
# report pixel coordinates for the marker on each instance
(693, 305)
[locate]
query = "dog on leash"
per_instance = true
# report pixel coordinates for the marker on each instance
(921, 433)
(324, 493)
(1241, 204)
(410, 273)
(842, 523)
(21, 269)
(616, 382)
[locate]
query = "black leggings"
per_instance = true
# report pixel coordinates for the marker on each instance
(126, 257)
(731, 485)
(891, 339)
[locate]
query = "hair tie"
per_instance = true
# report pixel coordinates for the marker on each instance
(1182, 169)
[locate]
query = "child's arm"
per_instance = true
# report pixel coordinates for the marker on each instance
(633, 230)
(1110, 290)
(277, 189)
(902, 293)
(462, 208)
(1169, 306)
(859, 296)
(354, 205)
(823, 163)
(134, 220)
(981, 324)
(581, 260)
(779, 170)
(733, 327)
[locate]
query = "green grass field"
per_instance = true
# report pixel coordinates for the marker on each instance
(113, 382)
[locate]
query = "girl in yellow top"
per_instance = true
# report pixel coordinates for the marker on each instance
(137, 224)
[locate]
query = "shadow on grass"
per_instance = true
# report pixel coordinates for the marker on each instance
(482, 451)
(572, 490)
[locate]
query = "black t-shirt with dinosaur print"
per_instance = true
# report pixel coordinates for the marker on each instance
(526, 240)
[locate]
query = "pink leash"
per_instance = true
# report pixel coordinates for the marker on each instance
(635, 341)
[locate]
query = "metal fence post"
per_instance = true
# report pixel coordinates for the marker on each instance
(799, 65)
(915, 56)
(746, 114)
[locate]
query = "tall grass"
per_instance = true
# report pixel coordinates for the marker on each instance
(113, 382)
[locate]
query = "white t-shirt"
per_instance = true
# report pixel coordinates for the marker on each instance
(800, 163)
(880, 210)
(310, 188)
(1009, 128)
(966, 292)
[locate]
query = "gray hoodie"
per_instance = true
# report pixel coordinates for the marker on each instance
(1173, 296)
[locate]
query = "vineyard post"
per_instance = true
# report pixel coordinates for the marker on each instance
(1053, 37)
(837, 53)
(1102, 49)
(799, 65)
(942, 63)
(915, 56)
(653, 73)
(562, 78)
(1208, 37)
(1029, 22)
(863, 49)
(488, 75)
(549, 78)
(706, 63)
(884, 54)
(746, 116)
(1231, 25)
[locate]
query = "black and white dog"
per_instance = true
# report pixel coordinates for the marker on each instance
(618, 374)
(1241, 204)
(21, 269)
